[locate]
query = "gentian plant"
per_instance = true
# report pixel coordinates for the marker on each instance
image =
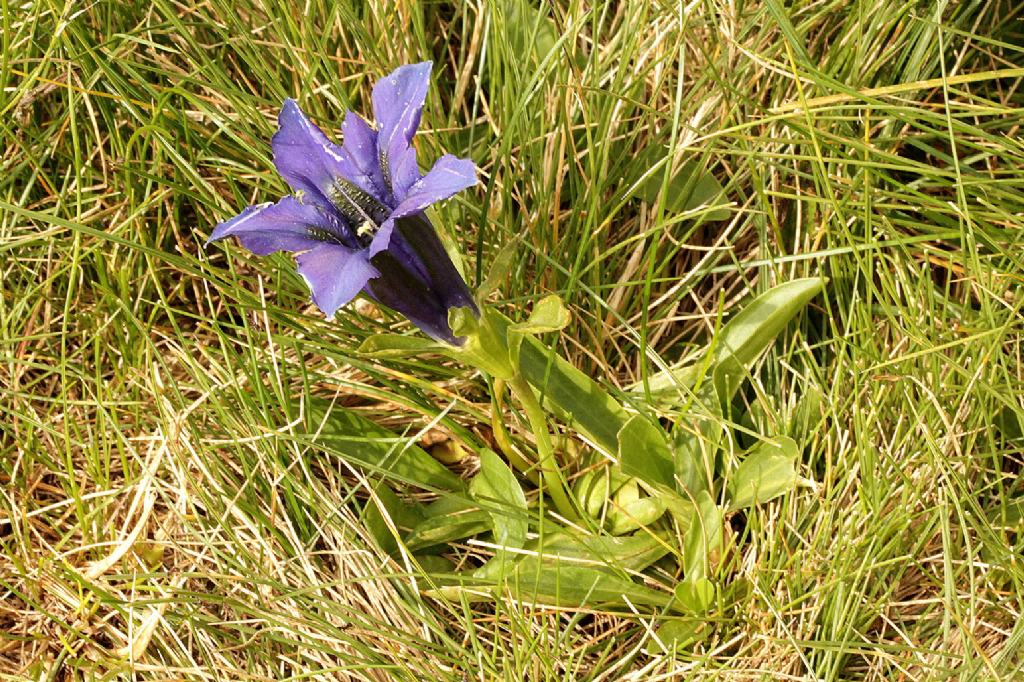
(642, 492)
(357, 219)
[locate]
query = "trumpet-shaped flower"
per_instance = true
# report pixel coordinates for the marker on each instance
(357, 220)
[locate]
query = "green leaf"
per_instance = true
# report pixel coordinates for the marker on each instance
(361, 441)
(690, 186)
(597, 484)
(635, 514)
(676, 635)
(463, 321)
(548, 315)
(495, 487)
(386, 510)
(435, 565)
(396, 345)
(703, 539)
(500, 268)
(572, 585)
(749, 333)
(574, 396)
(643, 452)
(769, 470)
(739, 343)
(697, 595)
(630, 553)
(532, 32)
(1007, 515)
(631, 509)
(592, 489)
(576, 570)
(565, 585)
(450, 518)
(696, 442)
(1008, 422)
(628, 493)
(736, 347)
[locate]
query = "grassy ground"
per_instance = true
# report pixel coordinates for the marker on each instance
(164, 514)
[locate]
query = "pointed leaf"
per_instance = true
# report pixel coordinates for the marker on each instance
(742, 340)
(548, 315)
(386, 510)
(753, 329)
(768, 471)
(703, 540)
(496, 489)
(643, 452)
(579, 586)
(450, 518)
(567, 586)
(739, 343)
(575, 570)
(690, 186)
(696, 595)
(500, 268)
(396, 345)
(361, 441)
(629, 554)
(437, 531)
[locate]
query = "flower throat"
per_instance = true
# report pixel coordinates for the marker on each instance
(360, 208)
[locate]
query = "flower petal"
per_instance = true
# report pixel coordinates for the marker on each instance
(418, 278)
(397, 105)
(288, 225)
(304, 157)
(381, 238)
(335, 275)
(402, 290)
(405, 171)
(448, 176)
(360, 156)
(416, 239)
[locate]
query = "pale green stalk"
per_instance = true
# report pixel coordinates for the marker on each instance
(553, 482)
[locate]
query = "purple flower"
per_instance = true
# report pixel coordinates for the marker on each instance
(357, 219)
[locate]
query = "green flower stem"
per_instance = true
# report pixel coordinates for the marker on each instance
(503, 441)
(545, 452)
